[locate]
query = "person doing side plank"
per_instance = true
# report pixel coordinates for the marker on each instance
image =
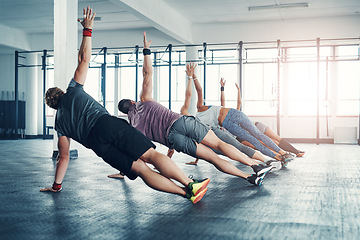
(219, 132)
(238, 124)
(282, 143)
(83, 119)
(182, 133)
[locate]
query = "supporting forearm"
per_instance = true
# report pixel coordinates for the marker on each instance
(61, 167)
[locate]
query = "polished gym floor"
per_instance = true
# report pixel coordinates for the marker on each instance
(314, 197)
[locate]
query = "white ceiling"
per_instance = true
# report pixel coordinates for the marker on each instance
(36, 16)
(174, 18)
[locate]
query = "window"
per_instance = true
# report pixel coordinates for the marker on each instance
(260, 89)
(348, 88)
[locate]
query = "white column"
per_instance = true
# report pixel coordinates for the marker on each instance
(65, 44)
(116, 89)
(65, 41)
(31, 97)
(193, 56)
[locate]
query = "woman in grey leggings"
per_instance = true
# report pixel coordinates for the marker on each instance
(221, 133)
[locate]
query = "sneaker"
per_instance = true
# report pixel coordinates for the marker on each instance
(285, 159)
(255, 179)
(275, 164)
(197, 186)
(261, 169)
(288, 157)
(197, 198)
(300, 154)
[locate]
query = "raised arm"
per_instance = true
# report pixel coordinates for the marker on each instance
(190, 68)
(238, 106)
(198, 88)
(222, 94)
(147, 86)
(61, 164)
(85, 48)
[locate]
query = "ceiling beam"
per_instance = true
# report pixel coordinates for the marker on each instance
(14, 38)
(161, 16)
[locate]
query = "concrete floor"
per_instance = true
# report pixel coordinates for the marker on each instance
(315, 197)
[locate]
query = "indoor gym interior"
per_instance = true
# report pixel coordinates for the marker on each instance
(298, 65)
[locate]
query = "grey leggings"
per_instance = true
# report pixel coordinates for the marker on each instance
(238, 124)
(228, 138)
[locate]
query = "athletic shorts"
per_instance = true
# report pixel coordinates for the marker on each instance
(118, 143)
(261, 126)
(185, 133)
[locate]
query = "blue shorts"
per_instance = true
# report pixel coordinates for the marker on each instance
(185, 133)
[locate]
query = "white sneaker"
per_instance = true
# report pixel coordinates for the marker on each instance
(275, 164)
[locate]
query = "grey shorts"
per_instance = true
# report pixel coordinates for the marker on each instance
(184, 134)
(261, 126)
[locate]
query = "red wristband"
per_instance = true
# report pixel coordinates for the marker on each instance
(87, 32)
(56, 186)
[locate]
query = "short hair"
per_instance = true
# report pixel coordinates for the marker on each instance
(52, 97)
(124, 105)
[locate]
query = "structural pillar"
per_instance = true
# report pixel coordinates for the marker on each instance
(65, 47)
(31, 96)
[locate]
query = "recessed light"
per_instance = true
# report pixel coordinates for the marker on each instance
(277, 6)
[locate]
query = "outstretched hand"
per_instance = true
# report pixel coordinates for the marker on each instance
(88, 20)
(222, 82)
(190, 69)
(49, 189)
(146, 43)
(237, 86)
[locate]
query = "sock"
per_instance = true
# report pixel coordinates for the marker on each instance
(285, 145)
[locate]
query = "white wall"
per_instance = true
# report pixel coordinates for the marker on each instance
(296, 29)
(335, 27)
(126, 38)
(7, 63)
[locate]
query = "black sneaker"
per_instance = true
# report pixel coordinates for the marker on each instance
(275, 164)
(255, 179)
(261, 169)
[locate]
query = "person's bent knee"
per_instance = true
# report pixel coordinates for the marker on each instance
(148, 154)
(138, 167)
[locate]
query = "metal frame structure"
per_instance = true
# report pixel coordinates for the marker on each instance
(241, 60)
(44, 66)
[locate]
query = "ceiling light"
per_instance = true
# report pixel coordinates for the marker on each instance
(277, 6)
